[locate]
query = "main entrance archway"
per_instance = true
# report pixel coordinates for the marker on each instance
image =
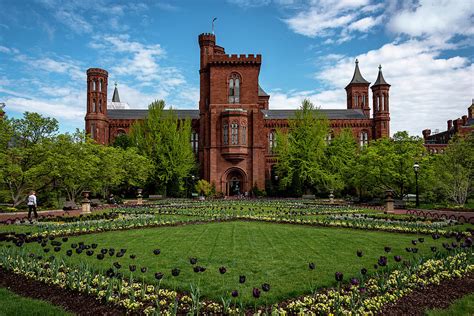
(235, 182)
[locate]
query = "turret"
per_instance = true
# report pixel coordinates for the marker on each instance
(97, 123)
(358, 92)
(380, 94)
(207, 42)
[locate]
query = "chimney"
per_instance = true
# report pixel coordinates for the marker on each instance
(450, 124)
(464, 120)
(426, 133)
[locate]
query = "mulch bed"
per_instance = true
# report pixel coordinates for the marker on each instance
(74, 302)
(431, 297)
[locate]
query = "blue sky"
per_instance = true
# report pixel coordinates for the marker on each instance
(150, 48)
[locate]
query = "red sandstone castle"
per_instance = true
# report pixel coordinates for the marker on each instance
(233, 132)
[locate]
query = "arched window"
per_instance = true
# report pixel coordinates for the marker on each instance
(234, 133)
(234, 88)
(355, 100)
(244, 135)
(225, 134)
(364, 139)
(195, 142)
(100, 85)
(271, 142)
(93, 85)
(94, 106)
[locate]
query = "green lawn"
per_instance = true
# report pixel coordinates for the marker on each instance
(13, 304)
(461, 307)
(264, 252)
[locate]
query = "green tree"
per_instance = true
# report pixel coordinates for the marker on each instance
(25, 148)
(454, 169)
(301, 151)
(387, 164)
(203, 187)
(123, 141)
(164, 139)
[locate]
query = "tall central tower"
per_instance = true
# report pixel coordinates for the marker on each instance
(97, 123)
(358, 92)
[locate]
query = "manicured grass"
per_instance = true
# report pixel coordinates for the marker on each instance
(461, 307)
(264, 252)
(13, 304)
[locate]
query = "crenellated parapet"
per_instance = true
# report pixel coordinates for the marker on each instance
(236, 59)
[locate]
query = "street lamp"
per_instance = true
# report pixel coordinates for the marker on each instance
(416, 167)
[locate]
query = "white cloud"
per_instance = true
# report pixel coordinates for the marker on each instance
(364, 24)
(65, 66)
(442, 18)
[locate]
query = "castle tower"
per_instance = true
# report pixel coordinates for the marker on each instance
(207, 42)
(97, 123)
(380, 94)
(358, 92)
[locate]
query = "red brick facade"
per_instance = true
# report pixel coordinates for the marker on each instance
(233, 130)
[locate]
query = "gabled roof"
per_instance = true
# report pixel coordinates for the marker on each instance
(357, 77)
(261, 92)
(332, 114)
(380, 79)
(136, 114)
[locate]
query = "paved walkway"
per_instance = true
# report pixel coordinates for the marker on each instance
(14, 216)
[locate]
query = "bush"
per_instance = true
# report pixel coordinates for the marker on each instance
(7, 209)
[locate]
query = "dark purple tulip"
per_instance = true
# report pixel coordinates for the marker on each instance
(242, 279)
(132, 256)
(78, 250)
(202, 269)
(387, 249)
(433, 248)
(408, 249)
(158, 276)
(103, 251)
(397, 258)
(468, 242)
(69, 253)
(376, 266)
(143, 269)
(235, 293)
(119, 254)
(362, 290)
(89, 252)
(197, 269)
(421, 239)
(100, 256)
(256, 292)
(414, 242)
(111, 252)
(311, 265)
(72, 245)
(222, 270)
(414, 250)
(454, 245)
(266, 287)
(175, 272)
(193, 261)
(435, 236)
(157, 251)
(363, 271)
(339, 276)
(57, 249)
(65, 239)
(94, 246)
(359, 253)
(110, 273)
(117, 265)
(354, 282)
(132, 267)
(382, 261)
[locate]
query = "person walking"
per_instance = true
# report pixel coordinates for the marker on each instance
(32, 205)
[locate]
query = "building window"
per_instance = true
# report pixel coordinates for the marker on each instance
(195, 142)
(234, 88)
(94, 106)
(100, 85)
(244, 135)
(355, 100)
(225, 134)
(234, 133)
(271, 142)
(93, 85)
(364, 139)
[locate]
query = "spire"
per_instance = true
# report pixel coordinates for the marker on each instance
(116, 97)
(357, 78)
(380, 79)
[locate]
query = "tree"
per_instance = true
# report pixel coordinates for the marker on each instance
(454, 169)
(301, 151)
(25, 148)
(123, 141)
(387, 164)
(203, 187)
(340, 159)
(164, 139)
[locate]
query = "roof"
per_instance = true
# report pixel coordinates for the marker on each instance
(342, 114)
(136, 114)
(261, 92)
(380, 79)
(357, 78)
(116, 97)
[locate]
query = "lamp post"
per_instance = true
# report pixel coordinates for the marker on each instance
(416, 167)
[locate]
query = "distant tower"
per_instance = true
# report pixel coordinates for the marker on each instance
(97, 123)
(358, 92)
(207, 43)
(380, 94)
